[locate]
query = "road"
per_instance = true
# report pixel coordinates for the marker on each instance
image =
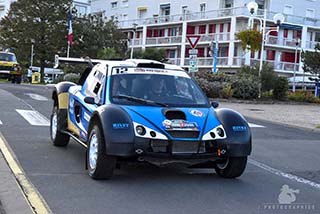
(281, 156)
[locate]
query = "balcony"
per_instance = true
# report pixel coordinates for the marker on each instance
(275, 40)
(177, 40)
(311, 45)
(164, 40)
(213, 14)
(279, 66)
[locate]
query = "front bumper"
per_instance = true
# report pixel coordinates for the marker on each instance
(178, 149)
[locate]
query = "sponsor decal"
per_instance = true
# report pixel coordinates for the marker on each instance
(196, 113)
(239, 128)
(120, 125)
(86, 116)
(179, 125)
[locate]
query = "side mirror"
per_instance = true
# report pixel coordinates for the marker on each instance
(214, 104)
(89, 100)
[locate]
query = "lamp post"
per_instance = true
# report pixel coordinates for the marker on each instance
(132, 41)
(265, 31)
(32, 47)
(295, 65)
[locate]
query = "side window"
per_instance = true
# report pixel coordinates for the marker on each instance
(95, 82)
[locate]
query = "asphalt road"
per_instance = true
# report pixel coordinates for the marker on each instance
(281, 156)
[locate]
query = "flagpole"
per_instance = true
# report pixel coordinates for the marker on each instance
(68, 51)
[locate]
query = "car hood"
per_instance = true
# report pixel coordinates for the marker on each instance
(199, 119)
(5, 63)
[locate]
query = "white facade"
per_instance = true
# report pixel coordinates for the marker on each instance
(4, 7)
(165, 24)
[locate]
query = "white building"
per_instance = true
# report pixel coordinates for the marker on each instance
(82, 6)
(165, 24)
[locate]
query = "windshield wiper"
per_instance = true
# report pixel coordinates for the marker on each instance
(139, 100)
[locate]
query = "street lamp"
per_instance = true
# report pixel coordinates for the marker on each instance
(31, 57)
(133, 36)
(297, 42)
(278, 19)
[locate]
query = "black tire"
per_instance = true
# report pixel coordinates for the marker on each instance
(231, 167)
(100, 165)
(58, 138)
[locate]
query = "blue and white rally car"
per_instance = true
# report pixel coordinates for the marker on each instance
(150, 111)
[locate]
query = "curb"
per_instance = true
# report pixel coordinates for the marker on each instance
(24, 196)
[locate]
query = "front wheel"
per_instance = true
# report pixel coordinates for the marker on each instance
(58, 138)
(100, 165)
(231, 167)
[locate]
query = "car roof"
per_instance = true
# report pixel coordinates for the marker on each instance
(1, 52)
(149, 66)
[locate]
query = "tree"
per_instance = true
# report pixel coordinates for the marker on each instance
(158, 54)
(95, 37)
(311, 60)
(43, 21)
(46, 23)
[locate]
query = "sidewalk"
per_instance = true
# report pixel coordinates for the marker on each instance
(296, 115)
(12, 199)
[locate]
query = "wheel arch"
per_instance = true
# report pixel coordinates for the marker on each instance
(60, 94)
(237, 130)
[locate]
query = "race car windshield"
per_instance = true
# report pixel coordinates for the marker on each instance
(167, 90)
(7, 57)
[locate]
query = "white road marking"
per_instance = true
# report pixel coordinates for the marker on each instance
(252, 125)
(37, 97)
(1, 122)
(34, 117)
(284, 174)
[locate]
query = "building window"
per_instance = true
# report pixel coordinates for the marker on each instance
(317, 37)
(261, 4)
(125, 3)
(203, 7)
(310, 13)
(125, 17)
(81, 10)
(288, 9)
(172, 54)
(228, 3)
(114, 5)
(142, 12)
(165, 9)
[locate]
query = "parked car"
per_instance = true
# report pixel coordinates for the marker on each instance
(9, 67)
(48, 80)
(143, 110)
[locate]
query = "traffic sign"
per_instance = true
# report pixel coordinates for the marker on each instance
(193, 40)
(193, 62)
(193, 51)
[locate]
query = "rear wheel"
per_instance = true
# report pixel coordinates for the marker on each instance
(58, 138)
(231, 167)
(100, 165)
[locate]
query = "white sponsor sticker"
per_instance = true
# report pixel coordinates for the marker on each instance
(196, 113)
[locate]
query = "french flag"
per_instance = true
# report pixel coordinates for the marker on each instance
(70, 27)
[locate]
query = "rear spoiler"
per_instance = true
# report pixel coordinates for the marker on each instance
(87, 60)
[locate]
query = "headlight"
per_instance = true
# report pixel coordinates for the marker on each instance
(220, 132)
(141, 130)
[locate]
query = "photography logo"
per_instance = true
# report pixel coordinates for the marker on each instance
(286, 202)
(287, 195)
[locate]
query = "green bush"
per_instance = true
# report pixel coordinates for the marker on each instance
(211, 89)
(303, 96)
(72, 77)
(280, 88)
(227, 91)
(246, 87)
